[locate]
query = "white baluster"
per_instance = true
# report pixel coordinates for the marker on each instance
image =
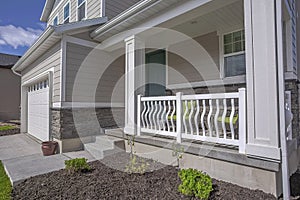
(151, 114)
(216, 117)
(224, 117)
(184, 117)
(196, 116)
(231, 118)
(154, 113)
(163, 116)
(209, 118)
(190, 117)
(158, 116)
(202, 116)
(147, 115)
(168, 114)
(143, 114)
(172, 116)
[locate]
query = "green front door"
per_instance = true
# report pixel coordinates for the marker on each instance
(156, 73)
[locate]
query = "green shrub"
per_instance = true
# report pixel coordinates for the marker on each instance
(195, 183)
(77, 164)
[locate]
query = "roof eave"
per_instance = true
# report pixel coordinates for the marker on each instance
(47, 10)
(40, 40)
(123, 16)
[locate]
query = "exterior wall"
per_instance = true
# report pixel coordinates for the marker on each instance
(181, 71)
(97, 83)
(51, 59)
(70, 123)
(10, 95)
(93, 10)
(115, 7)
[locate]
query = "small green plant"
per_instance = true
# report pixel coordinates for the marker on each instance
(136, 165)
(177, 151)
(77, 165)
(195, 183)
(130, 142)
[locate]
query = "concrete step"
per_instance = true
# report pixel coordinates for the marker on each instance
(118, 133)
(104, 145)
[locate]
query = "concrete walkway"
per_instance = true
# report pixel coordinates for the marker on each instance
(22, 158)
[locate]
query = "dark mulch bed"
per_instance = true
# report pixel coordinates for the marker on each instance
(295, 184)
(104, 182)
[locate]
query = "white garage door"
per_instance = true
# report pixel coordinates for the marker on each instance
(38, 110)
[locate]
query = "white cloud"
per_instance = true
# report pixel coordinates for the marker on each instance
(18, 36)
(2, 42)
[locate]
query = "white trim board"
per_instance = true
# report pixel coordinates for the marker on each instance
(87, 105)
(81, 42)
(209, 83)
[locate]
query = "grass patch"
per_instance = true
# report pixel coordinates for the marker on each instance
(6, 128)
(5, 185)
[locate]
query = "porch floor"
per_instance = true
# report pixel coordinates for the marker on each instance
(215, 151)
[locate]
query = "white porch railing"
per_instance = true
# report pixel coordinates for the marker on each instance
(217, 118)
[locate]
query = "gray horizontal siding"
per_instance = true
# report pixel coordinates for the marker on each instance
(182, 71)
(96, 83)
(93, 10)
(115, 7)
(51, 59)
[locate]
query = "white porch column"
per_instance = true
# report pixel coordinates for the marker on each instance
(134, 80)
(262, 86)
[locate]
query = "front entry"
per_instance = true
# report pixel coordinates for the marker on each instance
(156, 73)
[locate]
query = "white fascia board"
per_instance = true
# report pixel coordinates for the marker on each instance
(47, 10)
(59, 31)
(47, 33)
(123, 16)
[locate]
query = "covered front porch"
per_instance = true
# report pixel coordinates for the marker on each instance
(207, 73)
(199, 76)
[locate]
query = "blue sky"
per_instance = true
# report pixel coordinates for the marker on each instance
(20, 25)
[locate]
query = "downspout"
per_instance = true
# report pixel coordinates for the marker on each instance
(281, 101)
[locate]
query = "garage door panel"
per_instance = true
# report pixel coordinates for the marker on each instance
(38, 111)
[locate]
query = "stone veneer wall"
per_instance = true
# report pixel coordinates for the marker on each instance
(292, 86)
(70, 123)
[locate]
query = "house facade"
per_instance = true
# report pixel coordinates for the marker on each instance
(219, 77)
(10, 88)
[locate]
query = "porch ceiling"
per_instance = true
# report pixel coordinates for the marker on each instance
(223, 19)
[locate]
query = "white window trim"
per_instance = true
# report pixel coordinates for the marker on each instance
(64, 20)
(56, 16)
(77, 7)
(221, 52)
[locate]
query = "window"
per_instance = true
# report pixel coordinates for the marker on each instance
(55, 21)
(81, 10)
(67, 13)
(234, 53)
